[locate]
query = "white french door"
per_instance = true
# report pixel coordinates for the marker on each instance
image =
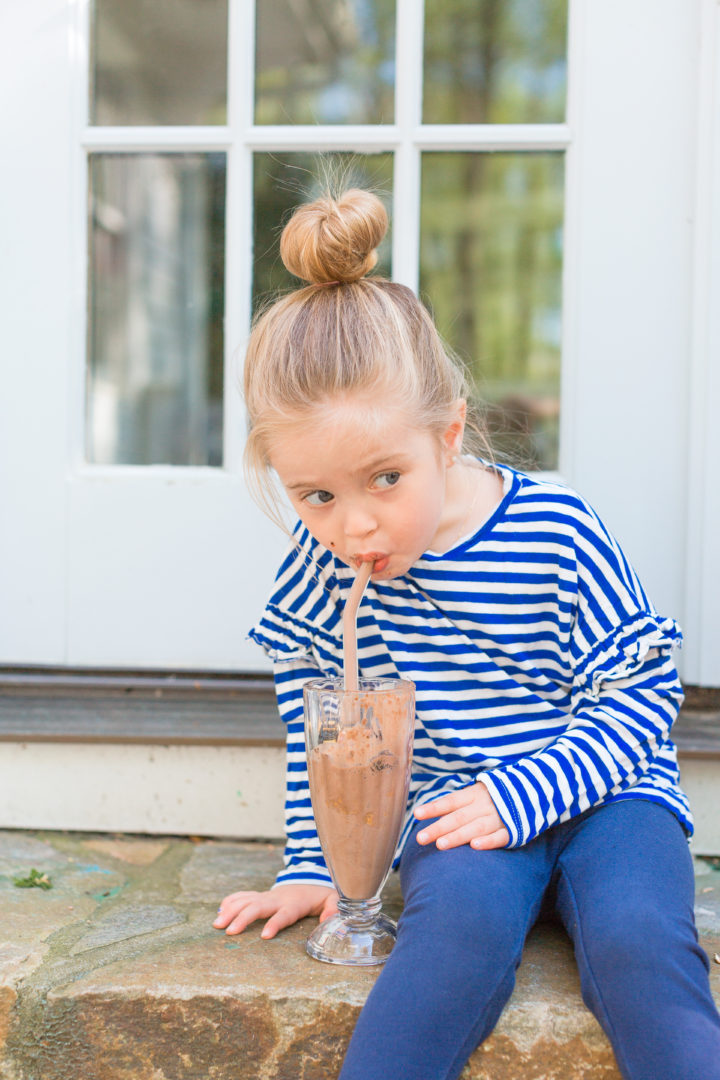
(129, 538)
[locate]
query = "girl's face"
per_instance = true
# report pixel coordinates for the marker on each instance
(367, 483)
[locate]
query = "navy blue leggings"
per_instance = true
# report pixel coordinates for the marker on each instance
(621, 879)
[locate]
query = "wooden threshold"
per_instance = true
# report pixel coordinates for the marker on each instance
(202, 708)
(206, 708)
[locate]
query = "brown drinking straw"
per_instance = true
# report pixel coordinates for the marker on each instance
(350, 664)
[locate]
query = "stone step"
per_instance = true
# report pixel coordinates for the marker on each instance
(115, 973)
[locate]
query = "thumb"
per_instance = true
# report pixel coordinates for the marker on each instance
(329, 907)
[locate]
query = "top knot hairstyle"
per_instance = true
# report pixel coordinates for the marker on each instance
(343, 333)
(334, 241)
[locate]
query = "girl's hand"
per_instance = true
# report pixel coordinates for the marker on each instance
(285, 905)
(467, 816)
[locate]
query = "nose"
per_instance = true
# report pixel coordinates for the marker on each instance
(358, 522)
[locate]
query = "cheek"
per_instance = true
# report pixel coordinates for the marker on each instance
(321, 528)
(421, 514)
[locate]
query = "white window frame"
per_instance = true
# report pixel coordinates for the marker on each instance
(702, 557)
(407, 138)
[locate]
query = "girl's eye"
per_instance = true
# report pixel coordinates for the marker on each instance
(318, 498)
(387, 479)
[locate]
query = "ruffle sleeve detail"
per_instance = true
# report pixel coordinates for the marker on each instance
(623, 652)
(282, 637)
(301, 619)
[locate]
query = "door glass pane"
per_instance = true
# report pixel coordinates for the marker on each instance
(158, 62)
(283, 181)
(325, 62)
(156, 301)
(491, 268)
(495, 61)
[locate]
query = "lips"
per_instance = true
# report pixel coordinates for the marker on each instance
(381, 561)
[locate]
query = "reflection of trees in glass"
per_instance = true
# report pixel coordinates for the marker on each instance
(283, 181)
(158, 62)
(491, 265)
(155, 330)
(327, 62)
(495, 61)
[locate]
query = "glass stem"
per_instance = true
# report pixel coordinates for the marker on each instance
(359, 913)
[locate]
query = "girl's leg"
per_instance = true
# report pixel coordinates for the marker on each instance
(625, 891)
(460, 939)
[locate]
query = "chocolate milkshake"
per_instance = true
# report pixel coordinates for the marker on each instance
(359, 752)
(359, 778)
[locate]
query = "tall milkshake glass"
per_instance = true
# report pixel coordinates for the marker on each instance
(359, 753)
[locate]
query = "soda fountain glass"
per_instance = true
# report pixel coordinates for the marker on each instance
(359, 754)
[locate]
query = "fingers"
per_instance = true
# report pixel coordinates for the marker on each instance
(461, 835)
(290, 912)
(286, 916)
(239, 910)
(480, 833)
(454, 801)
(329, 907)
(499, 838)
(228, 909)
(282, 906)
(467, 816)
(448, 824)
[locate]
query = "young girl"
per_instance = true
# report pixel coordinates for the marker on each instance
(543, 770)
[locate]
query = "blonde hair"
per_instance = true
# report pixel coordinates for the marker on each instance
(342, 334)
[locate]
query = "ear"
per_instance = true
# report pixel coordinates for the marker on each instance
(452, 438)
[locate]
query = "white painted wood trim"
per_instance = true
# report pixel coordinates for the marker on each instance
(492, 136)
(200, 790)
(123, 140)
(79, 261)
(190, 475)
(239, 226)
(126, 140)
(702, 577)
(408, 114)
(572, 237)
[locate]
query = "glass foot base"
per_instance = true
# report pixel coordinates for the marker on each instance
(343, 940)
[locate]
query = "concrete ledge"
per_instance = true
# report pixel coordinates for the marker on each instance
(116, 974)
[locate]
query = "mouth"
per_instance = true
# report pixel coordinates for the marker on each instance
(381, 561)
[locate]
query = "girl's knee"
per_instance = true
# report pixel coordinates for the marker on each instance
(448, 904)
(633, 938)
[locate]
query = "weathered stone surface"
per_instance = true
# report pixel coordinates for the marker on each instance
(8, 998)
(208, 961)
(215, 869)
(129, 922)
(30, 917)
(316, 1047)
(117, 973)
(99, 1037)
(576, 1059)
(20, 851)
(139, 852)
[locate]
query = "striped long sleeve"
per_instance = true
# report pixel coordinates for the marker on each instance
(611, 741)
(303, 859)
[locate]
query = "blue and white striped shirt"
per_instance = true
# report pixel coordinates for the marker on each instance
(540, 667)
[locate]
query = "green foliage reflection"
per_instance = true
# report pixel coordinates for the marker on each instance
(491, 268)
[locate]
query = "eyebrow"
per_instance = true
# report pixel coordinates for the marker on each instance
(371, 466)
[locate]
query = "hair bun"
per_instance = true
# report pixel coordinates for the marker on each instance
(334, 239)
